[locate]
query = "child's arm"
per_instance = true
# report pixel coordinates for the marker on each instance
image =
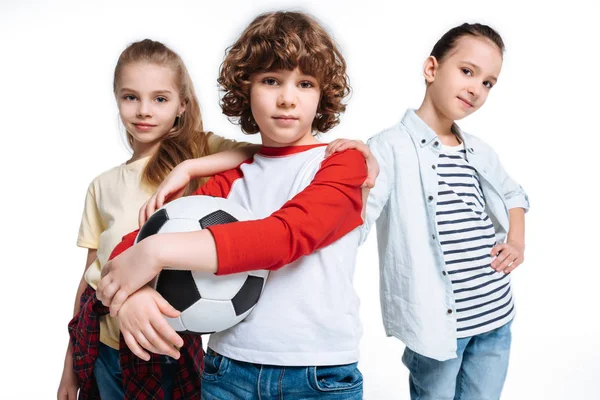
(142, 323)
(510, 255)
(175, 183)
(323, 212)
(68, 386)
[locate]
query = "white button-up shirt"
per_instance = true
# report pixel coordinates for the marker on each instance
(417, 299)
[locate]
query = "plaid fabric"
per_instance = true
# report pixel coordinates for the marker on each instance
(141, 379)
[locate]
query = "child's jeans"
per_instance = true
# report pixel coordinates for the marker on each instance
(107, 371)
(225, 378)
(477, 374)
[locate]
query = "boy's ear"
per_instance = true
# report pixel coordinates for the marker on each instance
(430, 67)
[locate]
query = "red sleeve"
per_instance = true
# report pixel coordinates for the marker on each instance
(323, 212)
(127, 241)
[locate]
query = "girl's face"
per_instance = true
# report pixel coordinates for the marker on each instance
(148, 101)
(284, 105)
(460, 84)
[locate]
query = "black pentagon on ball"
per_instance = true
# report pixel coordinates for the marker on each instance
(218, 217)
(248, 295)
(178, 288)
(153, 225)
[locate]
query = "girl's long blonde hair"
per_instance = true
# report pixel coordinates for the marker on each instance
(187, 139)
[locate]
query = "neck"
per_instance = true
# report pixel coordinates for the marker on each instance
(142, 150)
(439, 123)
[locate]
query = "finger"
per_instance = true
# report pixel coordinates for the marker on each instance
(166, 308)
(330, 146)
(349, 144)
(499, 260)
(161, 345)
(514, 265)
(504, 260)
(72, 394)
(167, 332)
(142, 215)
(134, 346)
(151, 207)
(369, 183)
(117, 301)
(497, 249)
(106, 269)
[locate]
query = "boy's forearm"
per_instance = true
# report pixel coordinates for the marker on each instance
(516, 233)
(220, 162)
(194, 251)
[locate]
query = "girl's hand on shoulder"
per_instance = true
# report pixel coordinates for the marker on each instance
(372, 165)
(173, 187)
(142, 323)
(508, 256)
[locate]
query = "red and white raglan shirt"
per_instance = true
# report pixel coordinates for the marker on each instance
(307, 208)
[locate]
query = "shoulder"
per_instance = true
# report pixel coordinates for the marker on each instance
(475, 143)
(104, 179)
(396, 135)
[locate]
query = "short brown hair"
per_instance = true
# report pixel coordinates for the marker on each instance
(284, 40)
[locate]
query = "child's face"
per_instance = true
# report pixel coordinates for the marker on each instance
(462, 81)
(148, 101)
(284, 104)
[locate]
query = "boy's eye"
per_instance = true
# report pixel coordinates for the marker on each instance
(129, 97)
(306, 85)
(467, 71)
(270, 81)
(161, 99)
(488, 84)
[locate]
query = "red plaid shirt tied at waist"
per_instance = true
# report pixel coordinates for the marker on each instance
(141, 379)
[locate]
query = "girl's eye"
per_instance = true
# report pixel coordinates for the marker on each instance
(467, 71)
(161, 99)
(129, 97)
(488, 84)
(306, 85)
(269, 81)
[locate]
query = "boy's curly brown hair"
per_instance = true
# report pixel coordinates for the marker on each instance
(284, 40)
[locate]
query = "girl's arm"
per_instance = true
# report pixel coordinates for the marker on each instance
(68, 386)
(176, 182)
(510, 255)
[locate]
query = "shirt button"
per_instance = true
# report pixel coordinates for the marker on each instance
(436, 143)
(449, 311)
(433, 166)
(430, 198)
(423, 141)
(433, 236)
(444, 273)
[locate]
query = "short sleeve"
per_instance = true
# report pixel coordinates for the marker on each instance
(217, 144)
(91, 222)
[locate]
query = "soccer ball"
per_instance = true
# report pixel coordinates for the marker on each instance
(208, 303)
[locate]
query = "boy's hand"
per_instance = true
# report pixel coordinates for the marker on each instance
(372, 165)
(142, 323)
(170, 189)
(508, 256)
(126, 273)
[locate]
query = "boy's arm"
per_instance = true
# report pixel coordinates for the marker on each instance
(176, 182)
(323, 212)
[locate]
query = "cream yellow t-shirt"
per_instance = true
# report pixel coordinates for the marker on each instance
(111, 211)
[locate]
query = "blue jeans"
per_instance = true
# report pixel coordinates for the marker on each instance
(107, 371)
(477, 374)
(225, 378)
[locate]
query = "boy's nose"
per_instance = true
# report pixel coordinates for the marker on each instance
(287, 97)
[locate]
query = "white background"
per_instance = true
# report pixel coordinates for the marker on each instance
(59, 129)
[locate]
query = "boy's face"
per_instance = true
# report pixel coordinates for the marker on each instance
(462, 81)
(284, 104)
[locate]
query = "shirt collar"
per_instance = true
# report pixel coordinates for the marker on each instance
(422, 134)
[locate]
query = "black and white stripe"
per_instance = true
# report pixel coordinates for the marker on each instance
(483, 296)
